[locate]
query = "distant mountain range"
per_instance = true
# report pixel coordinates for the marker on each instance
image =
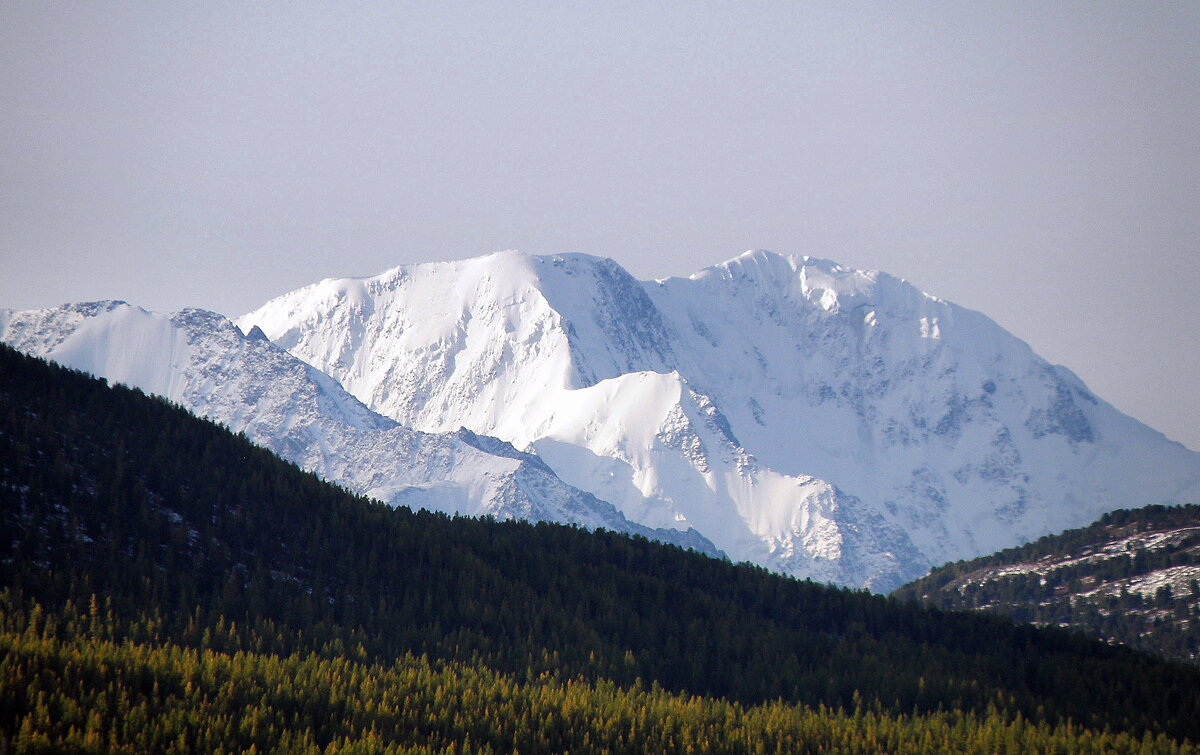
(1131, 578)
(817, 420)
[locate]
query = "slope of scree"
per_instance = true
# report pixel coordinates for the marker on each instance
(203, 361)
(820, 421)
(108, 493)
(1131, 578)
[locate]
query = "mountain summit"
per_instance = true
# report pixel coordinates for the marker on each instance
(819, 420)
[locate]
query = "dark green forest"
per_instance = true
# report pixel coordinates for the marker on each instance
(1066, 580)
(142, 544)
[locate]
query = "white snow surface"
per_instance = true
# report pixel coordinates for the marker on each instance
(204, 362)
(818, 420)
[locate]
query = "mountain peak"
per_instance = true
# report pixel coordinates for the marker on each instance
(804, 402)
(813, 418)
(829, 285)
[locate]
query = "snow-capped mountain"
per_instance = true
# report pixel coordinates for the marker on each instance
(818, 420)
(204, 362)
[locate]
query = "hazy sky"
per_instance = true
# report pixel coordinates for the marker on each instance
(1037, 161)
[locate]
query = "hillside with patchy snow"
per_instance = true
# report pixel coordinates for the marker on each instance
(1132, 578)
(202, 361)
(818, 420)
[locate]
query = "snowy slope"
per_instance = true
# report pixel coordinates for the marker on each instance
(202, 361)
(818, 420)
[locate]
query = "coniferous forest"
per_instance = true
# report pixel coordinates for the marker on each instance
(168, 586)
(1081, 578)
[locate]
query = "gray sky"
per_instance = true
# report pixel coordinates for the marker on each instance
(1037, 161)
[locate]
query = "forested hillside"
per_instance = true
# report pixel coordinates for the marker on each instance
(184, 566)
(68, 686)
(1130, 578)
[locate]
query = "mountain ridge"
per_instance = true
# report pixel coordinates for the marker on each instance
(203, 361)
(820, 421)
(739, 398)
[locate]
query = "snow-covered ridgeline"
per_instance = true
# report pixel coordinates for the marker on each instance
(202, 361)
(819, 420)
